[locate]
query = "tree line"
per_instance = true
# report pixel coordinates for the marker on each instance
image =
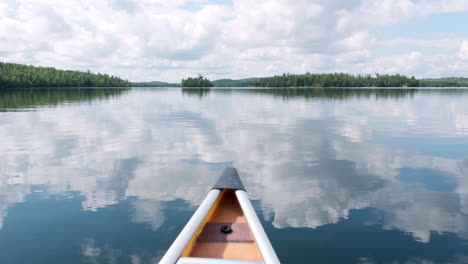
(444, 82)
(329, 80)
(336, 80)
(23, 76)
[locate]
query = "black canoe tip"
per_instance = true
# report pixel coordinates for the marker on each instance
(229, 179)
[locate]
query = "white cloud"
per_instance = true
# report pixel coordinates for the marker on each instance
(464, 51)
(167, 40)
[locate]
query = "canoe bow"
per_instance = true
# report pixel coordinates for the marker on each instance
(223, 230)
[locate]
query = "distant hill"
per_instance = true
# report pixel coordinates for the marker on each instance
(14, 75)
(234, 83)
(154, 84)
(216, 83)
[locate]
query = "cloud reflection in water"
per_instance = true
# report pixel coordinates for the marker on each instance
(308, 159)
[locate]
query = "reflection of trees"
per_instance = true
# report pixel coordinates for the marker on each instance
(328, 93)
(21, 98)
(444, 91)
(196, 92)
(336, 93)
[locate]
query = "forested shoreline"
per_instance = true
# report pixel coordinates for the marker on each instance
(444, 82)
(332, 80)
(25, 76)
(336, 80)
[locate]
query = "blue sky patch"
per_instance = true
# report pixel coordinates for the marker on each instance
(432, 179)
(425, 145)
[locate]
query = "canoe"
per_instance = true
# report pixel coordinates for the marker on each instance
(223, 230)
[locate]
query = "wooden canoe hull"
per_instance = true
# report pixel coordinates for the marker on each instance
(212, 243)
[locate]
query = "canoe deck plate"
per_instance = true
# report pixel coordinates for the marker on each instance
(212, 233)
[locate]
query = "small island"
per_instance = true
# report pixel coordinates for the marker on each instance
(200, 81)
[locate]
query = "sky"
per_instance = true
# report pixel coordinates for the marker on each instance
(145, 40)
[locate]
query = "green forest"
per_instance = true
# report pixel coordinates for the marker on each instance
(200, 81)
(23, 76)
(332, 80)
(444, 82)
(336, 80)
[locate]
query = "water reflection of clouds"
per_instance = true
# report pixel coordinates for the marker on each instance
(461, 124)
(309, 162)
(95, 252)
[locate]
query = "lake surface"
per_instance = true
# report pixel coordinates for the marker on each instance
(336, 176)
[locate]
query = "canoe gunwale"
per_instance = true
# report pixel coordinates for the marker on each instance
(268, 253)
(178, 246)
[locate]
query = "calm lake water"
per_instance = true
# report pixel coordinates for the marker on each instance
(336, 176)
